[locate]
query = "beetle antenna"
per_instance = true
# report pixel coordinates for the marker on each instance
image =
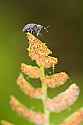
(47, 27)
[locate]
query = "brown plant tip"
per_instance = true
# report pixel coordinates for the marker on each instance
(37, 46)
(35, 117)
(28, 89)
(39, 52)
(32, 71)
(64, 99)
(3, 122)
(56, 80)
(75, 119)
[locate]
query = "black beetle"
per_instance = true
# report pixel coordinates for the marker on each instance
(34, 28)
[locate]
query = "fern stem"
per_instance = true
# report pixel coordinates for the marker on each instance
(44, 97)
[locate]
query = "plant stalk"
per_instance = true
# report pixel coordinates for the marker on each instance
(45, 96)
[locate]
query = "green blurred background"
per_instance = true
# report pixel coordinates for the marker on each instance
(65, 38)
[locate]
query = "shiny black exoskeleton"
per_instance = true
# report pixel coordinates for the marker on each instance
(34, 28)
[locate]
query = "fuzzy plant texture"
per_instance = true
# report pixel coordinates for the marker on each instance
(41, 54)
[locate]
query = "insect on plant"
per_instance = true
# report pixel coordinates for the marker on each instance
(35, 29)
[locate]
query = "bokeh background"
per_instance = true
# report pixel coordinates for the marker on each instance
(65, 38)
